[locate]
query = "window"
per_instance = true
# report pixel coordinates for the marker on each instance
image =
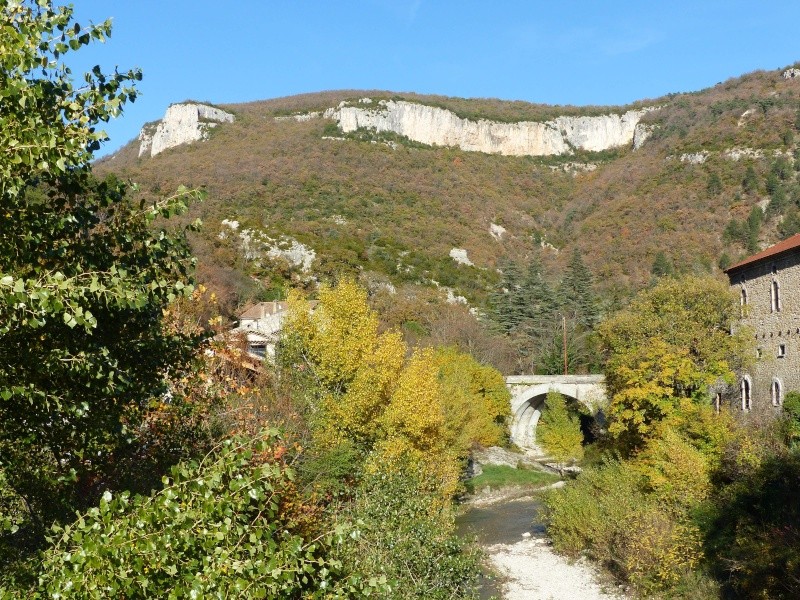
(776, 391)
(743, 300)
(775, 295)
(781, 350)
(746, 387)
(758, 352)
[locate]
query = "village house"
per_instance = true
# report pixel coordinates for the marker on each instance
(260, 325)
(768, 286)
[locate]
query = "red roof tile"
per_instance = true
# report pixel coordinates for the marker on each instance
(779, 248)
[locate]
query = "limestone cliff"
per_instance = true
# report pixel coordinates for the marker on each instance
(441, 127)
(182, 124)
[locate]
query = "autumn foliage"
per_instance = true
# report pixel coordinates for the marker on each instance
(428, 408)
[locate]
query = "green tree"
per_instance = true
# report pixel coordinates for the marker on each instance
(750, 180)
(790, 224)
(662, 266)
(772, 182)
(714, 185)
(754, 221)
(781, 168)
(84, 275)
(777, 202)
(576, 296)
(558, 431)
(506, 299)
(537, 297)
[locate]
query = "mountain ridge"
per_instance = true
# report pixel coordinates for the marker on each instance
(379, 202)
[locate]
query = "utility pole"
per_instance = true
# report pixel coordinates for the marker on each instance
(564, 330)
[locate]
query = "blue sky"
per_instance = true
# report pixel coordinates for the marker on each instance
(572, 52)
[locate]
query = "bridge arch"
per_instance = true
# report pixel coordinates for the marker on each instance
(529, 391)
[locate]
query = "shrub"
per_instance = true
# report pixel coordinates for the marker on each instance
(231, 525)
(404, 535)
(587, 513)
(606, 511)
(677, 474)
(755, 538)
(791, 416)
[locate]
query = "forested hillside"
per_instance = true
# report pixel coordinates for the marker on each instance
(395, 208)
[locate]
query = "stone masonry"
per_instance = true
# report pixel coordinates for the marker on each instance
(768, 285)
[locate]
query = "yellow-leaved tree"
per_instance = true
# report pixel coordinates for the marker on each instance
(670, 345)
(424, 412)
(477, 403)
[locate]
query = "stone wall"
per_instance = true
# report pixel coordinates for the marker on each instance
(776, 330)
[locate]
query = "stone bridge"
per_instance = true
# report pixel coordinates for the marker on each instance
(527, 399)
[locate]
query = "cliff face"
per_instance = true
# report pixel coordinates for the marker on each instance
(439, 127)
(182, 124)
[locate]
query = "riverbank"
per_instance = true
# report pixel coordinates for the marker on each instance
(509, 530)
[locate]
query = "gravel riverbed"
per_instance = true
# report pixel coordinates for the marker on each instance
(532, 571)
(506, 524)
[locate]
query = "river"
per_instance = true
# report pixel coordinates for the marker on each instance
(505, 523)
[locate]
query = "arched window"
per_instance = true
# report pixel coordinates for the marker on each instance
(743, 300)
(777, 392)
(775, 295)
(746, 387)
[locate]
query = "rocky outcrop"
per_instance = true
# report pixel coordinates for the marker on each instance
(695, 158)
(791, 73)
(460, 256)
(640, 134)
(256, 245)
(182, 124)
(497, 231)
(440, 127)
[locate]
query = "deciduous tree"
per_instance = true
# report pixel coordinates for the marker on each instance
(84, 274)
(559, 432)
(672, 343)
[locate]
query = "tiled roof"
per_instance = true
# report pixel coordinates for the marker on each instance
(266, 309)
(263, 309)
(786, 245)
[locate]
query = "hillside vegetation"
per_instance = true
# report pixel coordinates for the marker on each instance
(387, 206)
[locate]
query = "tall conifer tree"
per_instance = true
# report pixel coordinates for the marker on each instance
(576, 295)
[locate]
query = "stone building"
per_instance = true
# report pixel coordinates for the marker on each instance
(768, 285)
(260, 325)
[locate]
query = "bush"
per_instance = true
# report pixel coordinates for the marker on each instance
(607, 512)
(231, 525)
(791, 416)
(404, 535)
(587, 513)
(676, 473)
(755, 538)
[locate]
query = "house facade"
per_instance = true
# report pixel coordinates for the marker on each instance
(768, 287)
(260, 325)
